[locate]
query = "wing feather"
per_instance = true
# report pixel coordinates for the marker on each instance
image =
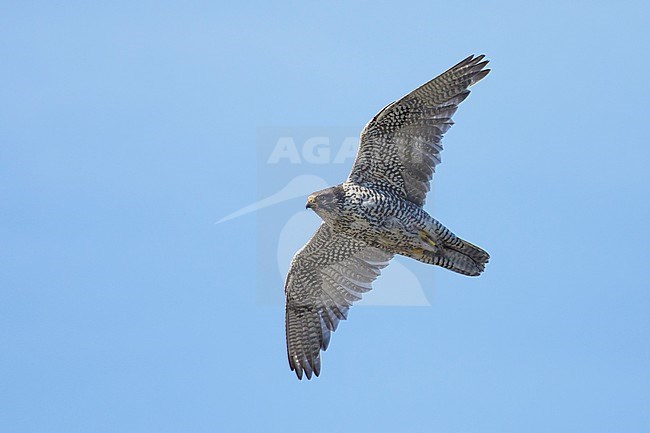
(326, 277)
(400, 147)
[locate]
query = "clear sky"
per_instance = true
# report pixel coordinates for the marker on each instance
(127, 129)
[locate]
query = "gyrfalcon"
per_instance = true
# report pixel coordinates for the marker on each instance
(377, 213)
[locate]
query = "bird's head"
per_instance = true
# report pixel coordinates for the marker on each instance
(326, 202)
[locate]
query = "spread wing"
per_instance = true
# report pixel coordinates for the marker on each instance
(326, 276)
(400, 147)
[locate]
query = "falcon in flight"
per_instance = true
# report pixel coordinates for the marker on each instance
(377, 213)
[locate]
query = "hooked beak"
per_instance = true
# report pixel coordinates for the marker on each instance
(311, 202)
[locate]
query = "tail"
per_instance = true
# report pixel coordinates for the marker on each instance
(466, 259)
(462, 257)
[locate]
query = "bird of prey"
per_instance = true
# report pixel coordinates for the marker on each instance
(377, 213)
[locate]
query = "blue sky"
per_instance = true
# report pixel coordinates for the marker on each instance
(129, 128)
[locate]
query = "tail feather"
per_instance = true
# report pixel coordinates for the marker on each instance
(463, 258)
(467, 258)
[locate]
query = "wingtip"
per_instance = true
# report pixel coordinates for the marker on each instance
(466, 61)
(478, 76)
(478, 58)
(305, 369)
(304, 373)
(470, 63)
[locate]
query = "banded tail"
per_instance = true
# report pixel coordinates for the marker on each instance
(466, 259)
(459, 256)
